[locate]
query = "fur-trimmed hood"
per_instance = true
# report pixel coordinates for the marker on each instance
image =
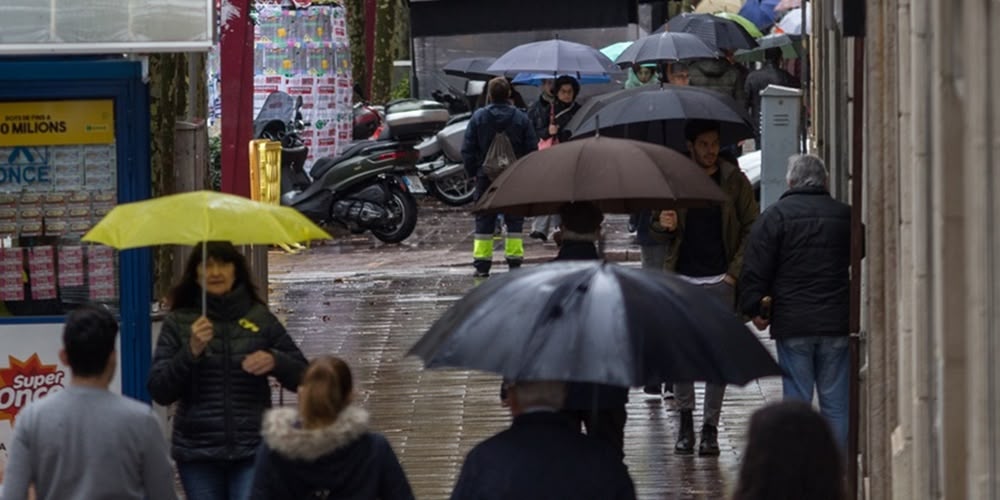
(283, 433)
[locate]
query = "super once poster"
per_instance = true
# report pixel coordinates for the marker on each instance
(30, 370)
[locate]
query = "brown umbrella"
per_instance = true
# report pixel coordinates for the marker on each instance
(619, 175)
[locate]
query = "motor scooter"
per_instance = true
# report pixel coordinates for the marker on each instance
(367, 187)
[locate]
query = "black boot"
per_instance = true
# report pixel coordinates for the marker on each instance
(514, 264)
(482, 268)
(685, 437)
(709, 441)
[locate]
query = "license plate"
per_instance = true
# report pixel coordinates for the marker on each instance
(414, 185)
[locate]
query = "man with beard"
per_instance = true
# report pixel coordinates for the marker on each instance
(705, 247)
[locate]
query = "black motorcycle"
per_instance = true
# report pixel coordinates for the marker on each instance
(365, 188)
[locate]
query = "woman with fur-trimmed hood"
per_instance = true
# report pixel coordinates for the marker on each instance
(324, 449)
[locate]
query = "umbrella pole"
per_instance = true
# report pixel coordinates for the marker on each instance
(204, 278)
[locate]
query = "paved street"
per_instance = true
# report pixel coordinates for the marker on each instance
(368, 303)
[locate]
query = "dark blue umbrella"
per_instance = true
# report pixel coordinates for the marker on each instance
(760, 12)
(658, 114)
(554, 57)
(473, 68)
(595, 322)
(717, 32)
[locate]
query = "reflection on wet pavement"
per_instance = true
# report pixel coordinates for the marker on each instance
(368, 303)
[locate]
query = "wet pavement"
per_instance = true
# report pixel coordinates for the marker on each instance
(368, 302)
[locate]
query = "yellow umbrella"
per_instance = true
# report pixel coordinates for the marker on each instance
(199, 217)
(192, 218)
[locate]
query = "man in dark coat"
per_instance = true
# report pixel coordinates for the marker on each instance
(758, 80)
(798, 255)
(499, 116)
(598, 407)
(541, 455)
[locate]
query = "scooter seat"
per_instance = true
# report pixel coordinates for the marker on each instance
(322, 165)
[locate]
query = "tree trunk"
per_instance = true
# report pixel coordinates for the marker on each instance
(385, 27)
(401, 35)
(356, 37)
(167, 102)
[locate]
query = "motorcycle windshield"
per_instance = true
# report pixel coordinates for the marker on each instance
(278, 106)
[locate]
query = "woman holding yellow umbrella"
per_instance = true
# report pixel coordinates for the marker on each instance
(216, 366)
(219, 342)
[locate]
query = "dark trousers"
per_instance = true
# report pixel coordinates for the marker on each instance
(486, 224)
(605, 425)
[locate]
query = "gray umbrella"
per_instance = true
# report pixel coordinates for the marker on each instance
(554, 57)
(665, 47)
(595, 322)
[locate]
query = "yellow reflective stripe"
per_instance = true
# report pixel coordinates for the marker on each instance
(514, 248)
(482, 249)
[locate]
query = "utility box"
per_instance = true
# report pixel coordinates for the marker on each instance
(779, 132)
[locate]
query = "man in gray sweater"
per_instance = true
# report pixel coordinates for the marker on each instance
(85, 442)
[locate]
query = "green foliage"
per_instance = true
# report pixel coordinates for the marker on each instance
(215, 163)
(401, 90)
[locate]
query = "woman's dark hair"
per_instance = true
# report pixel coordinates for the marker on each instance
(89, 339)
(790, 454)
(325, 391)
(566, 80)
(187, 293)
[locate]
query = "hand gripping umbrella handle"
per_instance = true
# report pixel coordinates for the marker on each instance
(765, 307)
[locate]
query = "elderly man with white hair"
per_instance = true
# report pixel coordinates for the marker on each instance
(541, 455)
(796, 280)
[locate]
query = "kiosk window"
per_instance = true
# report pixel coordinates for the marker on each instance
(58, 169)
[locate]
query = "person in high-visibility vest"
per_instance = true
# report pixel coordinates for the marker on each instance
(498, 116)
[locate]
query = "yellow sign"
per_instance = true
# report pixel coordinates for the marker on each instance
(54, 123)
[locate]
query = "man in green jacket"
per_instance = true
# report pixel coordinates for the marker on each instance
(706, 248)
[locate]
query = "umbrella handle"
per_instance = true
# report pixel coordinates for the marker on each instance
(204, 278)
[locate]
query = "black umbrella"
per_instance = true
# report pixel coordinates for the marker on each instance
(595, 322)
(555, 57)
(665, 47)
(658, 114)
(473, 68)
(715, 31)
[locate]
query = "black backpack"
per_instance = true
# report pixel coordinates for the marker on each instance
(500, 155)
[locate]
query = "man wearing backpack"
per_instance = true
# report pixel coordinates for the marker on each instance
(494, 132)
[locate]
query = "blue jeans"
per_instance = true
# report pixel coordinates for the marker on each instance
(823, 364)
(217, 480)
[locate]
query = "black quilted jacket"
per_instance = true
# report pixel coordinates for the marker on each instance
(220, 406)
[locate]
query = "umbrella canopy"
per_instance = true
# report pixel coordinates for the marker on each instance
(789, 49)
(744, 23)
(713, 6)
(715, 31)
(554, 57)
(595, 322)
(665, 47)
(473, 68)
(537, 78)
(619, 175)
(760, 12)
(791, 22)
(614, 50)
(199, 216)
(658, 114)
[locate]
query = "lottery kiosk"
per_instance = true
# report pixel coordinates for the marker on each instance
(74, 142)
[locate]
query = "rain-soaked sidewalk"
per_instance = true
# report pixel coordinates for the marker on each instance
(368, 303)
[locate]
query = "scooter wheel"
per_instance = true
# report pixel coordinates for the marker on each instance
(404, 207)
(455, 190)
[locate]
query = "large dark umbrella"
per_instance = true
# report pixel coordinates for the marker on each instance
(619, 175)
(658, 114)
(715, 31)
(473, 68)
(554, 57)
(595, 322)
(665, 47)
(761, 12)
